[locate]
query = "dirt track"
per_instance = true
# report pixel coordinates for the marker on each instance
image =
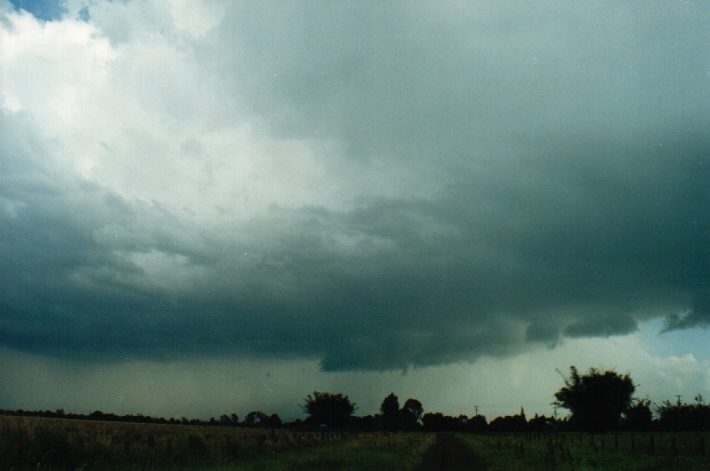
(447, 453)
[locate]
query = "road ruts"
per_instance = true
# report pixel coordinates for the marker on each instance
(448, 454)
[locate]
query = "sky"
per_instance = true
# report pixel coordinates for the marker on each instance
(208, 207)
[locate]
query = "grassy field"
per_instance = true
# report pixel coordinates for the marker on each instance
(54, 444)
(372, 452)
(578, 451)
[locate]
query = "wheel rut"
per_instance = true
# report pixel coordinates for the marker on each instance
(448, 453)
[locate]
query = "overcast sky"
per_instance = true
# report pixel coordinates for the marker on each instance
(221, 206)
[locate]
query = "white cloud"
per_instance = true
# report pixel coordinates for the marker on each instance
(197, 19)
(141, 118)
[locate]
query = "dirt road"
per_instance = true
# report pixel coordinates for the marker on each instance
(447, 453)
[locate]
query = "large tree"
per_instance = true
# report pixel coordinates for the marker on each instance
(390, 412)
(596, 399)
(328, 409)
(412, 412)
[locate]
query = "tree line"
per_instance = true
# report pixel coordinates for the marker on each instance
(598, 401)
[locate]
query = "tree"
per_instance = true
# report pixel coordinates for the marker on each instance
(681, 416)
(328, 409)
(477, 423)
(412, 412)
(596, 399)
(390, 412)
(274, 421)
(256, 418)
(638, 416)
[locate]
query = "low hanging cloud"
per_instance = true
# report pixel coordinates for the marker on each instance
(369, 186)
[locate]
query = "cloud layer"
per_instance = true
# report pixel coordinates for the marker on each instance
(368, 186)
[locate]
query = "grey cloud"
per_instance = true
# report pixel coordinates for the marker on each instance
(420, 82)
(572, 196)
(391, 283)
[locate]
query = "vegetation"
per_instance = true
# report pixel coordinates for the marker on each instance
(41, 443)
(636, 436)
(331, 410)
(680, 416)
(596, 399)
(390, 412)
(584, 451)
(374, 451)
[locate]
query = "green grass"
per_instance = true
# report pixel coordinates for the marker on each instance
(581, 452)
(28, 443)
(372, 452)
(53, 444)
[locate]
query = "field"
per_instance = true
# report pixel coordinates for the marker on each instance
(28, 443)
(55, 444)
(578, 451)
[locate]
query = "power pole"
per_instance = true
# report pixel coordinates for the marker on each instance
(476, 408)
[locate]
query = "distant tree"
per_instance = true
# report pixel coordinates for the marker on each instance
(411, 413)
(390, 412)
(540, 423)
(274, 421)
(328, 409)
(680, 416)
(477, 423)
(225, 420)
(256, 418)
(438, 422)
(461, 422)
(509, 423)
(596, 399)
(434, 421)
(234, 419)
(638, 416)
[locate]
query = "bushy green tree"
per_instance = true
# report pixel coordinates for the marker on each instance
(412, 412)
(638, 416)
(681, 416)
(256, 418)
(331, 410)
(390, 412)
(596, 399)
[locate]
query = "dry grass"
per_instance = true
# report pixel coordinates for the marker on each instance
(40, 443)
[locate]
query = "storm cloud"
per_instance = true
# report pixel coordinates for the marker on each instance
(369, 186)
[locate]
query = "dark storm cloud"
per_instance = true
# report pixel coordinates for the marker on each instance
(571, 152)
(447, 82)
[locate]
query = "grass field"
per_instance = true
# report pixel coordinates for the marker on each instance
(578, 451)
(54, 444)
(372, 452)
